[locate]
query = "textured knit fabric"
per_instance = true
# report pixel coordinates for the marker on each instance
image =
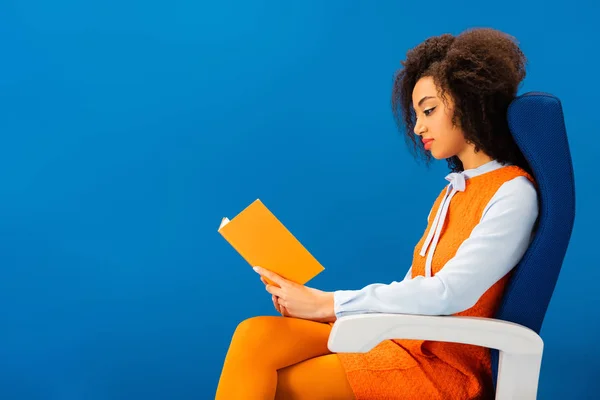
(415, 369)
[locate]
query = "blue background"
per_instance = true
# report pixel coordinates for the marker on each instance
(129, 128)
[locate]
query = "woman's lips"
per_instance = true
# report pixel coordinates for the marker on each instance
(427, 143)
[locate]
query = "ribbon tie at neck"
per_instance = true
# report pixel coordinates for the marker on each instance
(458, 184)
(457, 180)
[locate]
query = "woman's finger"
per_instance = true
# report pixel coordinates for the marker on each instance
(272, 276)
(284, 311)
(276, 303)
(282, 303)
(274, 290)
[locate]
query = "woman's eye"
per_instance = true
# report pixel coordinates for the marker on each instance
(428, 111)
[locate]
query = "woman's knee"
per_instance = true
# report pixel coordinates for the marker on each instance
(253, 333)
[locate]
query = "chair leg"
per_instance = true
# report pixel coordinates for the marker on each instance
(518, 376)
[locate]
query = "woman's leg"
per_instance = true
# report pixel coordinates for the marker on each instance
(318, 378)
(262, 345)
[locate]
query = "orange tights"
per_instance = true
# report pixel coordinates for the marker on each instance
(282, 358)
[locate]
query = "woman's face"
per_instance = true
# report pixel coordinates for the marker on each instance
(434, 122)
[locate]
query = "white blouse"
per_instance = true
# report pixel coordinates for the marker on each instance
(495, 246)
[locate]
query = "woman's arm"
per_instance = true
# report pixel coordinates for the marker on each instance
(495, 246)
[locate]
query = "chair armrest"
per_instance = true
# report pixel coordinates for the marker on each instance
(360, 333)
(520, 348)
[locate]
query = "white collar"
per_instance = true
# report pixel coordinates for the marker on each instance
(458, 179)
(482, 169)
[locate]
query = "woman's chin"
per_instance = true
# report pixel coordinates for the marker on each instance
(436, 155)
(439, 155)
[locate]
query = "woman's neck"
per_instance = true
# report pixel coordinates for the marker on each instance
(470, 159)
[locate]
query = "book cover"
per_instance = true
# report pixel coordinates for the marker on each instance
(262, 240)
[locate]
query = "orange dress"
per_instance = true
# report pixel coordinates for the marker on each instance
(417, 369)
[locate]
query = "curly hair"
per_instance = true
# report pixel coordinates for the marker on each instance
(481, 70)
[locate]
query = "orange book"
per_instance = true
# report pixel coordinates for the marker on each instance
(262, 240)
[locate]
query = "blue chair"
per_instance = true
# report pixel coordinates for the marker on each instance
(537, 123)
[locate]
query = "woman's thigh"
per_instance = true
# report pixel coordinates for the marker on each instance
(277, 342)
(317, 378)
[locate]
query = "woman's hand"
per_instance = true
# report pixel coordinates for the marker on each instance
(299, 301)
(280, 309)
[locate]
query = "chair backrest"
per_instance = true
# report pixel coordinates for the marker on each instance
(537, 123)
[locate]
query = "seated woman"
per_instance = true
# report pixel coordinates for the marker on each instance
(453, 93)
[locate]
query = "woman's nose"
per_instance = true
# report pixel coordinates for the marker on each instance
(419, 128)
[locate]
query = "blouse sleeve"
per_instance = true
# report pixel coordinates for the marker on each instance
(494, 247)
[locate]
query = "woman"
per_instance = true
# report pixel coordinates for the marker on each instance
(453, 93)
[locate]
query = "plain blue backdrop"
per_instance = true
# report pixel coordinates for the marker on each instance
(130, 128)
